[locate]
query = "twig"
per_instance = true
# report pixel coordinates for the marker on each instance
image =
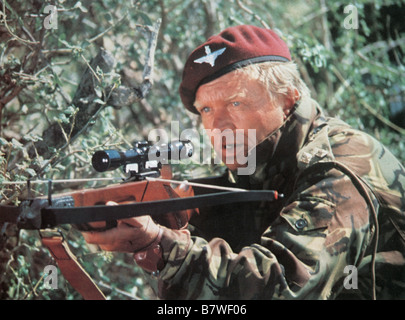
(9, 30)
(124, 96)
(384, 45)
(150, 57)
(346, 83)
(122, 292)
(327, 43)
(7, 99)
(90, 68)
(379, 65)
(108, 29)
(246, 9)
(311, 16)
(58, 51)
(326, 31)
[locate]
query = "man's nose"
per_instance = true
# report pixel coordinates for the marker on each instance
(222, 121)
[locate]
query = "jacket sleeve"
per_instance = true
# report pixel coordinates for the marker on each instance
(323, 228)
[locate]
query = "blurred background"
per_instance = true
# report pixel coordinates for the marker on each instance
(57, 108)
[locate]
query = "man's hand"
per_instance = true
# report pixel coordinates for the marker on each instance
(130, 235)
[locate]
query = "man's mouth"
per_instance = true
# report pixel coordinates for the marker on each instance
(228, 146)
(232, 147)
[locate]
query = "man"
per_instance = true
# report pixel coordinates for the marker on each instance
(338, 232)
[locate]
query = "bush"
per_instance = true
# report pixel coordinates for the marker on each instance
(50, 125)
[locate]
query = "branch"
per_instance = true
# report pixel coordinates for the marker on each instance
(6, 99)
(83, 99)
(246, 9)
(108, 29)
(124, 96)
(4, 20)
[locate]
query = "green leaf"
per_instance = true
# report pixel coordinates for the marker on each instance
(3, 142)
(31, 172)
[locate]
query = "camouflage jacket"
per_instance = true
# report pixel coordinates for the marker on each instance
(339, 231)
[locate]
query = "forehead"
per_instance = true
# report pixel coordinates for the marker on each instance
(228, 87)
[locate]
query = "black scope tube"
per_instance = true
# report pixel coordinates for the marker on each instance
(107, 160)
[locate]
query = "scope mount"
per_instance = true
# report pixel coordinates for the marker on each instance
(138, 172)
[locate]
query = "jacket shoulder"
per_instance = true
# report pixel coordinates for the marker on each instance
(316, 149)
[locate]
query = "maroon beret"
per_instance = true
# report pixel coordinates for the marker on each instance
(233, 48)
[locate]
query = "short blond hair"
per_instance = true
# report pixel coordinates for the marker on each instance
(279, 78)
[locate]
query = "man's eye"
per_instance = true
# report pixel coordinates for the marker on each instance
(236, 104)
(205, 110)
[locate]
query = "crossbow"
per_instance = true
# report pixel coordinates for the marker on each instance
(146, 191)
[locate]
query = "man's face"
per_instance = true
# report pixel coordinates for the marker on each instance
(234, 102)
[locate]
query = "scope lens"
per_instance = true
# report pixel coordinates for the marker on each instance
(101, 161)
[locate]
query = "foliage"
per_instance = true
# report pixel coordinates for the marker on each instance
(355, 73)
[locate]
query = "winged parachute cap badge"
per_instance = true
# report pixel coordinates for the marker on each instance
(210, 56)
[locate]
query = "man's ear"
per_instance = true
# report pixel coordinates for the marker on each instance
(290, 100)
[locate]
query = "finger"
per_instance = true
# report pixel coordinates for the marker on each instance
(101, 224)
(136, 222)
(108, 236)
(184, 190)
(184, 186)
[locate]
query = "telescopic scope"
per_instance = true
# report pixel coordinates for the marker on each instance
(107, 160)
